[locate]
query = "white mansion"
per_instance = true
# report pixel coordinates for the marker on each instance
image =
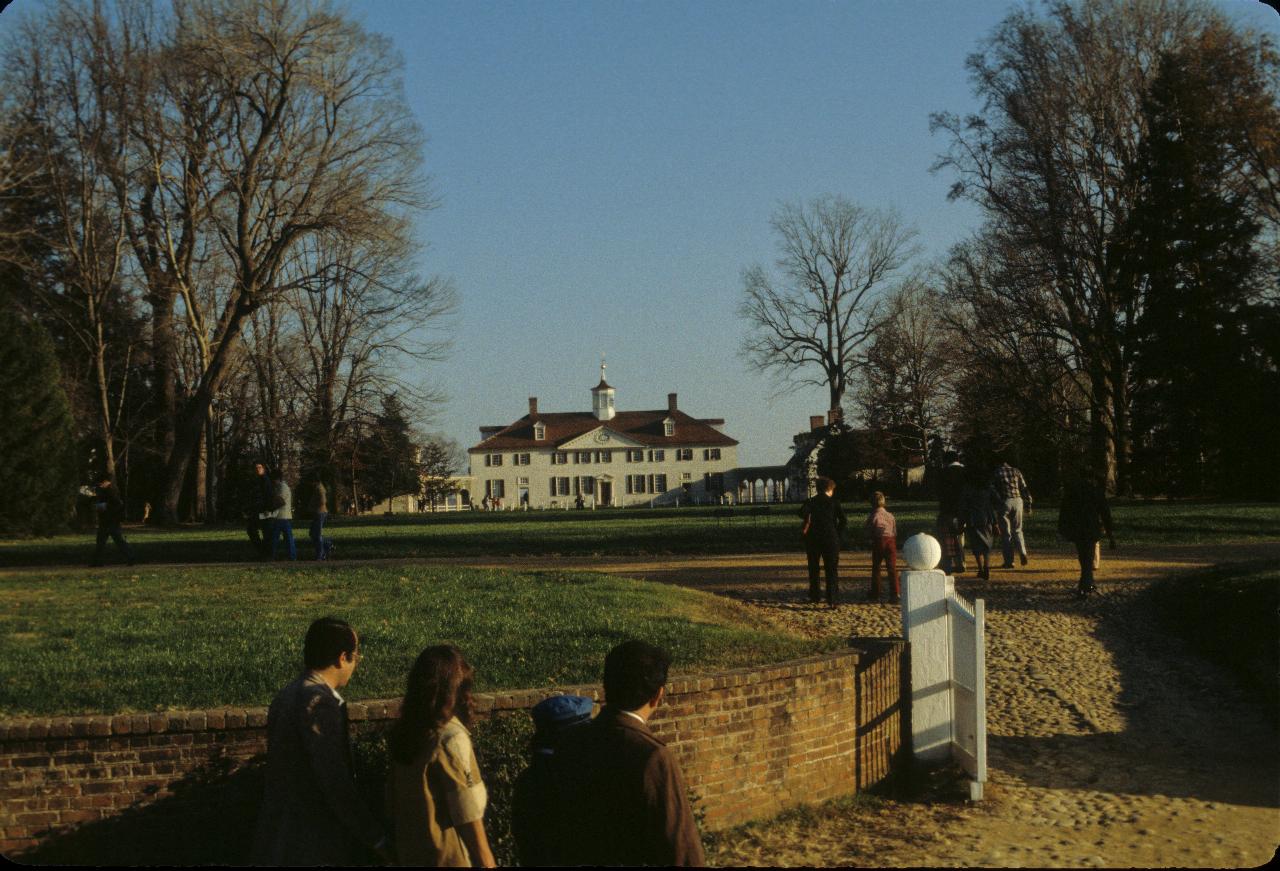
(603, 457)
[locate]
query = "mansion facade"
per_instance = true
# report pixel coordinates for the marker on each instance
(603, 457)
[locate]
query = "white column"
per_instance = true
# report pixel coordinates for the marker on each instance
(924, 625)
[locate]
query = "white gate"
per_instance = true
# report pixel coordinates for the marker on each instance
(968, 688)
(948, 674)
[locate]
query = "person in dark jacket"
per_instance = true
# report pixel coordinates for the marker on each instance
(621, 798)
(257, 526)
(311, 811)
(824, 520)
(1083, 518)
(110, 510)
(534, 796)
(950, 522)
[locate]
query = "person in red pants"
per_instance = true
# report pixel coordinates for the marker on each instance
(882, 529)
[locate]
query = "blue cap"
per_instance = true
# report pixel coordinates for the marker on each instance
(558, 712)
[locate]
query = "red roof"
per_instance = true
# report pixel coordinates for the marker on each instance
(642, 427)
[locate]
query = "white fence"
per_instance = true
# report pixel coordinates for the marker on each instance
(948, 674)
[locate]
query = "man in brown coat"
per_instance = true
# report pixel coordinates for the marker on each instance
(622, 798)
(311, 812)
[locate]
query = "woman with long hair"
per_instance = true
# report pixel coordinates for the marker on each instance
(435, 796)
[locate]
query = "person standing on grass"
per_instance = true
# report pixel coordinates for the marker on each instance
(823, 521)
(435, 796)
(281, 518)
(620, 796)
(1014, 499)
(319, 514)
(257, 523)
(533, 798)
(110, 510)
(312, 813)
(882, 530)
(1083, 518)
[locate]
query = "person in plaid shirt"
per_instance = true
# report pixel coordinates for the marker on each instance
(1012, 498)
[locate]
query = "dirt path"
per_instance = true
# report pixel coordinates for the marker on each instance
(1109, 745)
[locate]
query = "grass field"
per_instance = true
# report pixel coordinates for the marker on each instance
(624, 533)
(191, 638)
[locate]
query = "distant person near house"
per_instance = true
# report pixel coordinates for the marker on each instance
(823, 521)
(621, 798)
(281, 519)
(322, 546)
(534, 797)
(109, 508)
(882, 532)
(312, 813)
(435, 796)
(1013, 500)
(257, 521)
(1083, 519)
(950, 515)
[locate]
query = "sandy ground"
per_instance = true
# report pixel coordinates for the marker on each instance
(1109, 745)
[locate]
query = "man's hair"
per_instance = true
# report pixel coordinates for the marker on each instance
(327, 639)
(825, 484)
(877, 499)
(633, 672)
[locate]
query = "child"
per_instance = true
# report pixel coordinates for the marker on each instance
(882, 529)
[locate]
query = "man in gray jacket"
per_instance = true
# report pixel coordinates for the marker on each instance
(281, 515)
(311, 812)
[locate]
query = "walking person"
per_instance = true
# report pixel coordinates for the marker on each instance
(824, 520)
(281, 518)
(311, 812)
(319, 506)
(435, 796)
(1083, 519)
(110, 510)
(950, 523)
(1013, 500)
(980, 520)
(621, 797)
(882, 530)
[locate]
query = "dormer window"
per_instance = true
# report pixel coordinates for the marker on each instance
(668, 427)
(539, 431)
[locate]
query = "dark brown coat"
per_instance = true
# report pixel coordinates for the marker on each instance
(622, 797)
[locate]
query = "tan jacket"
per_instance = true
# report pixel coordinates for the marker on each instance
(428, 799)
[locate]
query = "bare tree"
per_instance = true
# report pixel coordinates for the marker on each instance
(811, 320)
(317, 141)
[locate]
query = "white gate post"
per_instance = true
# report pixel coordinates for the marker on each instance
(924, 625)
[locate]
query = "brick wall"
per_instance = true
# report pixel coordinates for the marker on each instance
(751, 742)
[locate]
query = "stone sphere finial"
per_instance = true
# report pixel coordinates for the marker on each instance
(922, 552)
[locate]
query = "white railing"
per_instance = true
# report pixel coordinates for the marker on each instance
(969, 688)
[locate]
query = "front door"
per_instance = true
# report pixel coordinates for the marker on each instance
(606, 493)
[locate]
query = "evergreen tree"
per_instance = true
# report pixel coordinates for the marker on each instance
(37, 447)
(391, 457)
(1200, 364)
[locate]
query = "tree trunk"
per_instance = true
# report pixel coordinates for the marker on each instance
(104, 411)
(163, 356)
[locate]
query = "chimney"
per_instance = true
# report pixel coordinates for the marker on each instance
(533, 406)
(671, 402)
(815, 422)
(835, 415)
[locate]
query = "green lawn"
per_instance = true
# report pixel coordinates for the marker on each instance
(627, 533)
(189, 638)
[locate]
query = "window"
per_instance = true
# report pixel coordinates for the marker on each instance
(522, 482)
(519, 460)
(658, 456)
(659, 484)
(668, 427)
(582, 457)
(711, 454)
(559, 458)
(588, 485)
(493, 459)
(684, 454)
(635, 456)
(685, 476)
(604, 456)
(635, 483)
(559, 486)
(539, 431)
(495, 489)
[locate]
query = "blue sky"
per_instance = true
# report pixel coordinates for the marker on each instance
(606, 170)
